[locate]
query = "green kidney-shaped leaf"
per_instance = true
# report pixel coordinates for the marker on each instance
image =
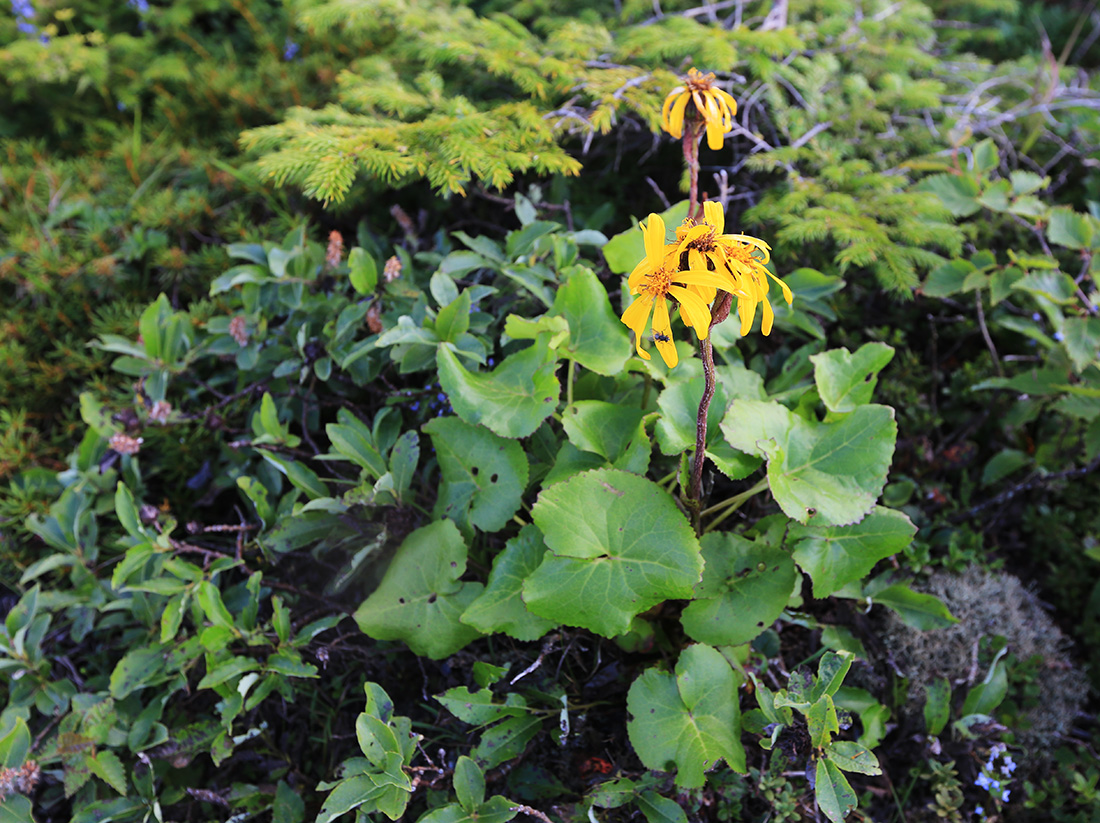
(834, 556)
(500, 607)
(687, 721)
(831, 471)
(618, 545)
(845, 380)
(744, 588)
(421, 597)
(597, 338)
(512, 400)
(679, 405)
(483, 475)
(615, 432)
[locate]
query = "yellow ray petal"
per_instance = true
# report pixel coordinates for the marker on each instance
(676, 116)
(692, 308)
(714, 215)
(673, 97)
(769, 316)
(788, 295)
(702, 277)
(727, 98)
(635, 317)
(662, 333)
(655, 240)
(746, 310)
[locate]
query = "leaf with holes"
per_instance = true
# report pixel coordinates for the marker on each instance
(687, 721)
(745, 587)
(834, 793)
(483, 475)
(835, 556)
(500, 608)
(832, 471)
(618, 545)
(845, 380)
(421, 597)
(511, 400)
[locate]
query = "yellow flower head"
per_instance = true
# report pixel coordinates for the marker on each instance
(714, 106)
(656, 279)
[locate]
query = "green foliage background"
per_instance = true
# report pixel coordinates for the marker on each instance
(425, 455)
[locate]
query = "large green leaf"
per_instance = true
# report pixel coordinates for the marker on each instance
(483, 475)
(845, 380)
(513, 399)
(615, 432)
(421, 597)
(625, 250)
(744, 588)
(830, 471)
(679, 405)
(690, 721)
(618, 545)
(500, 607)
(597, 338)
(834, 556)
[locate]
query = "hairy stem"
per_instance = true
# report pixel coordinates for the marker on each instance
(706, 352)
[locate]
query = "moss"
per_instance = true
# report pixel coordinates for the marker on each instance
(991, 605)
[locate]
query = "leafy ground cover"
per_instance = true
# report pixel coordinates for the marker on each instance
(337, 486)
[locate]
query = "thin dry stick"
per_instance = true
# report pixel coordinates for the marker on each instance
(985, 333)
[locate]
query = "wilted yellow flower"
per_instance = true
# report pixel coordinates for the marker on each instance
(658, 277)
(714, 106)
(743, 256)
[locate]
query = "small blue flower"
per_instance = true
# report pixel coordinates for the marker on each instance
(140, 6)
(415, 406)
(1004, 796)
(1059, 336)
(290, 50)
(26, 28)
(491, 362)
(1036, 317)
(120, 106)
(983, 781)
(441, 397)
(978, 810)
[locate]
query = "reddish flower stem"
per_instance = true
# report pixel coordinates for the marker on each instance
(719, 312)
(692, 132)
